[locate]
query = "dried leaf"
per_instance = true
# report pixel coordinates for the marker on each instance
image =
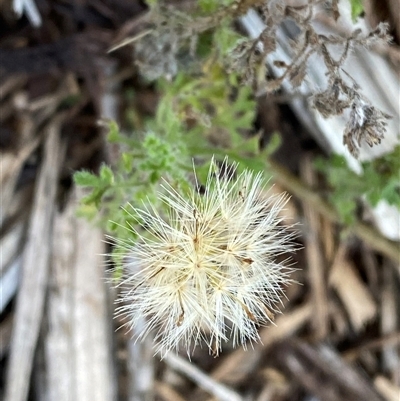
(335, 9)
(280, 64)
(268, 40)
(297, 75)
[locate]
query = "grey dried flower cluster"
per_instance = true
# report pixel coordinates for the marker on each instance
(156, 55)
(248, 57)
(171, 37)
(365, 123)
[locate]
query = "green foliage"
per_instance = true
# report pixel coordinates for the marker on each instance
(151, 3)
(380, 180)
(225, 39)
(210, 6)
(212, 107)
(206, 6)
(135, 178)
(356, 8)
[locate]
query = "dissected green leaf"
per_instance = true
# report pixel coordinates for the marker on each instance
(380, 180)
(85, 179)
(106, 175)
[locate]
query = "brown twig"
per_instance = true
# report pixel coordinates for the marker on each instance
(363, 231)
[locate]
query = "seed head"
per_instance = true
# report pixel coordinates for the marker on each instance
(206, 272)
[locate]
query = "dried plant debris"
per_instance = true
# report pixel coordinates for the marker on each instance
(366, 123)
(156, 55)
(156, 52)
(174, 34)
(171, 37)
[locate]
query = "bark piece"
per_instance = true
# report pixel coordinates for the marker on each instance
(34, 274)
(353, 293)
(315, 258)
(78, 346)
(390, 391)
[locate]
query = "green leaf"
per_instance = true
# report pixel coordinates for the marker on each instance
(85, 179)
(208, 6)
(356, 9)
(106, 175)
(379, 181)
(94, 198)
(274, 144)
(87, 211)
(114, 135)
(127, 162)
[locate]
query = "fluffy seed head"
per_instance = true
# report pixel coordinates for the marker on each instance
(206, 272)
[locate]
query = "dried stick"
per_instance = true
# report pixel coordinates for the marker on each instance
(35, 266)
(218, 390)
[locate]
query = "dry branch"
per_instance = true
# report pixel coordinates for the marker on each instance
(79, 343)
(204, 381)
(315, 259)
(323, 372)
(241, 362)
